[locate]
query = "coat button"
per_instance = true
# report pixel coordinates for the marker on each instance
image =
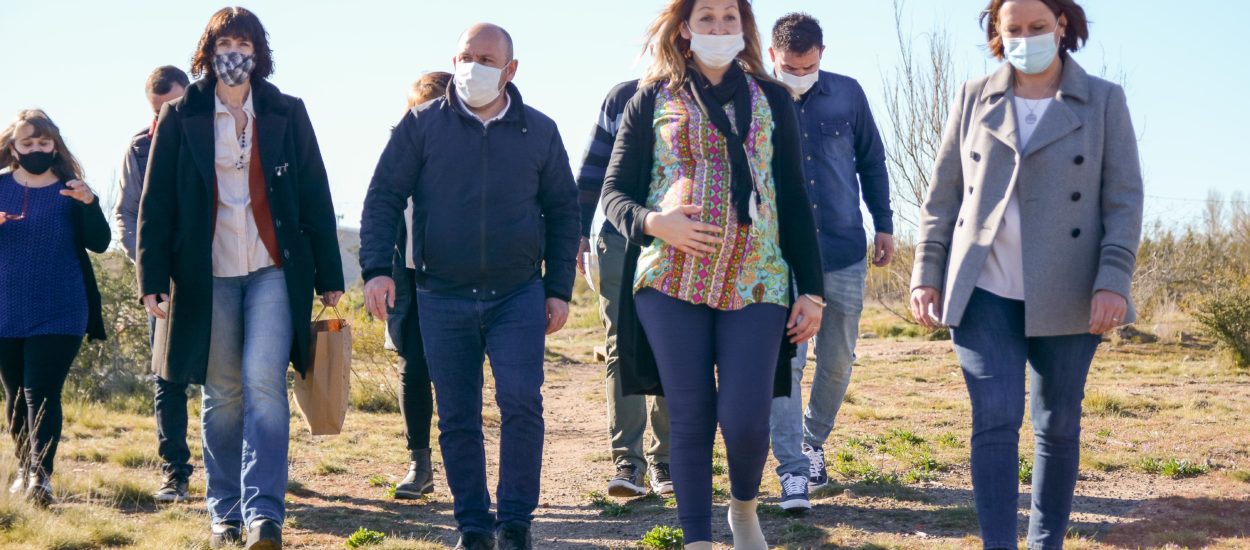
(286, 254)
(976, 157)
(1079, 160)
(970, 189)
(961, 222)
(278, 223)
(1076, 233)
(1076, 196)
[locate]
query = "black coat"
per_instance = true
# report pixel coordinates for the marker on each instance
(91, 232)
(176, 221)
(625, 189)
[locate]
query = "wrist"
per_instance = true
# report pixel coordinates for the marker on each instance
(816, 300)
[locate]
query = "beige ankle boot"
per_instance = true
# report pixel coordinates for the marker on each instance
(701, 545)
(745, 525)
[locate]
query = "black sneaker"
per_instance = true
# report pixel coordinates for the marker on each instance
(264, 534)
(627, 482)
(475, 541)
(794, 494)
(226, 534)
(173, 490)
(661, 480)
(817, 477)
(514, 536)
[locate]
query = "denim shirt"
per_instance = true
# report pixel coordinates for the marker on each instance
(842, 155)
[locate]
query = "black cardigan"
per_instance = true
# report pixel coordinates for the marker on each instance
(91, 232)
(625, 189)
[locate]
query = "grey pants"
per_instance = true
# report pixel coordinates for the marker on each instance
(627, 414)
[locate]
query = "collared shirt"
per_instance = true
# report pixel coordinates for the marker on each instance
(843, 155)
(495, 118)
(237, 248)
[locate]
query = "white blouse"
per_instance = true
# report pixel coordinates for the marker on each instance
(1003, 273)
(237, 248)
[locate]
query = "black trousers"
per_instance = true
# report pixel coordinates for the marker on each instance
(416, 392)
(33, 371)
(170, 399)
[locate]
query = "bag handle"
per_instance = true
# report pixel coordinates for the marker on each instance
(334, 309)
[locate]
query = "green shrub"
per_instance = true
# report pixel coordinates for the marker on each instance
(1171, 467)
(1026, 471)
(663, 537)
(1226, 315)
(364, 537)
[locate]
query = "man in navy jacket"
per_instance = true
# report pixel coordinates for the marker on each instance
(493, 246)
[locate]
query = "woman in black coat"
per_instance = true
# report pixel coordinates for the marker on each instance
(236, 232)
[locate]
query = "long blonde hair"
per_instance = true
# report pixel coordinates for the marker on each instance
(670, 50)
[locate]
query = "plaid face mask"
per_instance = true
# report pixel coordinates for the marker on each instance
(234, 68)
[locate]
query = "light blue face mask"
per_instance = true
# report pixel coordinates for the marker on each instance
(1031, 55)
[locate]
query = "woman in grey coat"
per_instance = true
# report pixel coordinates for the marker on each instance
(1028, 242)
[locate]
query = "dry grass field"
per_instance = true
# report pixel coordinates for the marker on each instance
(1165, 462)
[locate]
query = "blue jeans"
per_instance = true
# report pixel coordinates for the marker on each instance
(835, 352)
(993, 351)
(717, 367)
(171, 420)
(458, 334)
(246, 418)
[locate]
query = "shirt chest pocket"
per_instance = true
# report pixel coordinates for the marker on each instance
(835, 140)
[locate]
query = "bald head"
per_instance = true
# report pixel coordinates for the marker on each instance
(488, 38)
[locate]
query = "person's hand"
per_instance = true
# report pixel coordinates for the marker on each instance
(1106, 312)
(557, 314)
(151, 303)
(804, 320)
(924, 299)
(331, 299)
(582, 249)
(3, 218)
(379, 294)
(78, 191)
(676, 228)
(883, 250)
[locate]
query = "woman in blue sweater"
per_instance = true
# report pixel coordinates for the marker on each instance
(49, 219)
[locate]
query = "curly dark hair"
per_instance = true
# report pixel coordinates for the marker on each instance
(797, 33)
(1076, 34)
(234, 22)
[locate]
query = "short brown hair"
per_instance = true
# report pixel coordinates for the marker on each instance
(429, 86)
(234, 22)
(1075, 35)
(66, 166)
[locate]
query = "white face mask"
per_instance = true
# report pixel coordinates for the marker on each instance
(476, 84)
(716, 51)
(1032, 55)
(799, 84)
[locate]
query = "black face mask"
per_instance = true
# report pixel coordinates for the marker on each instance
(37, 162)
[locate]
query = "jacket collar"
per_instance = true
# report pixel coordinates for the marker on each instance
(1000, 117)
(1073, 82)
(514, 113)
(199, 107)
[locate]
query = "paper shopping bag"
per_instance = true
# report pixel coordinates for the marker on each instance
(322, 393)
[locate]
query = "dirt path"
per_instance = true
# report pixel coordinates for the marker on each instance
(1120, 506)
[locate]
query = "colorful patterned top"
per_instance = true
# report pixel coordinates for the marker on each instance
(692, 166)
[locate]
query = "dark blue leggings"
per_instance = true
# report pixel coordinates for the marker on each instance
(695, 348)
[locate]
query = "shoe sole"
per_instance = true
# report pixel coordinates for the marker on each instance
(812, 487)
(797, 505)
(266, 545)
(414, 495)
(625, 489)
(663, 489)
(169, 499)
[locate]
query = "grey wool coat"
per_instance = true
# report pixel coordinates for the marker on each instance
(1080, 191)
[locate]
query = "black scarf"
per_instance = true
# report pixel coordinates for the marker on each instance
(711, 99)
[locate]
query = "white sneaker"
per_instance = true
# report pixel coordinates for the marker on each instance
(794, 494)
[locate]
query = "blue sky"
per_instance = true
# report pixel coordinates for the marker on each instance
(85, 61)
